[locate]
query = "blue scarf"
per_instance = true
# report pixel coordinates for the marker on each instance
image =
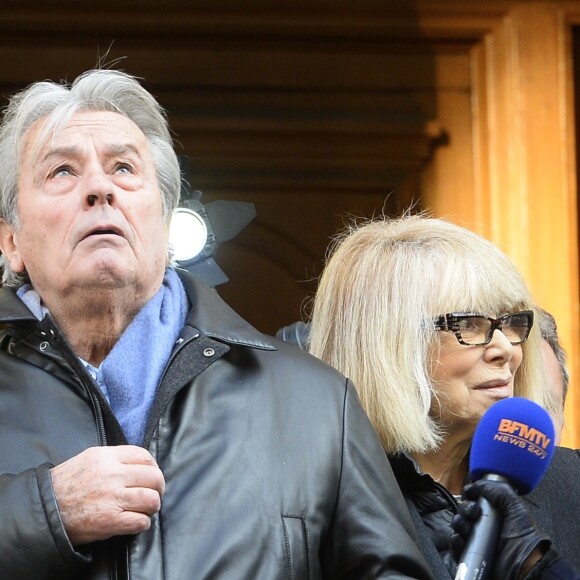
(131, 372)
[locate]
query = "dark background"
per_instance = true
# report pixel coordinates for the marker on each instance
(316, 112)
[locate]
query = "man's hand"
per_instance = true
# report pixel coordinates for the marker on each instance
(107, 491)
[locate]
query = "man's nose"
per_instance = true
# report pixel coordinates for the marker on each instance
(99, 189)
(93, 198)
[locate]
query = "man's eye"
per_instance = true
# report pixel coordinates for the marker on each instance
(124, 168)
(62, 171)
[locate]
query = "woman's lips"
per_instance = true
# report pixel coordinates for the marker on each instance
(494, 384)
(499, 389)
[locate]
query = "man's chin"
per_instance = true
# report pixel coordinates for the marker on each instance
(107, 274)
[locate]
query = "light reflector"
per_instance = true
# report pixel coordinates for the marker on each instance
(187, 234)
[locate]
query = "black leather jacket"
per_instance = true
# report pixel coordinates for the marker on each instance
(554, 505)
(272, 469)
(432, 508)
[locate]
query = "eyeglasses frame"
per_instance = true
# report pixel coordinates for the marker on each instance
(449, 322)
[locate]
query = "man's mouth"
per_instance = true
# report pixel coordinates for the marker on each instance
(104, 231)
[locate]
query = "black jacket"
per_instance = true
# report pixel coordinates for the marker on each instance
(554, 504)
(272, 469)
(432, 508)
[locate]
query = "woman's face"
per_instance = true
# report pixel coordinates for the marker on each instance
(469, 379)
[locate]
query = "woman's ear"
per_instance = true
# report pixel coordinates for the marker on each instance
(9, 246)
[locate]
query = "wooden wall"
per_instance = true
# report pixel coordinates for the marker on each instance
(320, 110)
(512, 172)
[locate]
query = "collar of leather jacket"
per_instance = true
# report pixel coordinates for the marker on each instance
(208, 313)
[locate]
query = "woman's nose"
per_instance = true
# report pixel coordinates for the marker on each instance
(500, 346)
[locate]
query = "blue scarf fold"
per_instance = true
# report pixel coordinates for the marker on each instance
(131, 372)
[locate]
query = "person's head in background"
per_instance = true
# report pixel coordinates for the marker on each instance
(554, 358)
(384, 316)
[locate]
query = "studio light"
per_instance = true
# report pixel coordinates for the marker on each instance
(187, 234)
(196, 230)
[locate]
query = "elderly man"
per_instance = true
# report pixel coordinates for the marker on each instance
(146, 431)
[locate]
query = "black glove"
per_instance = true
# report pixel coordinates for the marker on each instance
(519, 535)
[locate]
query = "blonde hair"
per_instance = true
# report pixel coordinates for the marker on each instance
(373, 315)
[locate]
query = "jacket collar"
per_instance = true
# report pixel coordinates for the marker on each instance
(409, 475)
(213, 317)
(208, 313)
(12, 309)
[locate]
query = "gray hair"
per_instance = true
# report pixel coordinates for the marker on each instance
(549, 332)
(372, 319)
(95, 90)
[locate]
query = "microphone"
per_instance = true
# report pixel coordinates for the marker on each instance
(513, 443)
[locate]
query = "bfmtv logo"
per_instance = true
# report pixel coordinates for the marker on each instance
(524, 436)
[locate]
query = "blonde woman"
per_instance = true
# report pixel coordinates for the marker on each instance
(434, 324)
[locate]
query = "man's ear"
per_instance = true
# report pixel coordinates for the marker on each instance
(9, 246)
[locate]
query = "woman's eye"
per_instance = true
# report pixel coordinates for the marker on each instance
(469, 325)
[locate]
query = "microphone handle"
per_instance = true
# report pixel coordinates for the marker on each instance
(479, 553)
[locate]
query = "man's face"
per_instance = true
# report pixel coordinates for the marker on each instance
(90, 209)
(555, 383)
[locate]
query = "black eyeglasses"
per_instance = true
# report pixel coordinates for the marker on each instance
(477, 330)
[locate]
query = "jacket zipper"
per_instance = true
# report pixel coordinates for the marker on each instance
(182, 343)
(122, 554)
